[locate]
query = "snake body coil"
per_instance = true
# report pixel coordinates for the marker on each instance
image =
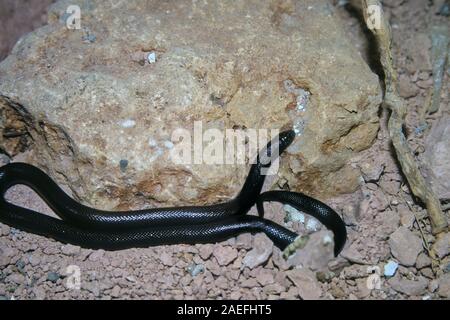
(92, 228)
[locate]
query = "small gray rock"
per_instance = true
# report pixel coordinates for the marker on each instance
(410, 287)
(195, 269)
(70, 250)
(405, 246)
(53, 277)
(423, 261)
(16, 278)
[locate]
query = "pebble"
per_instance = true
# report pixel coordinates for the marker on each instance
(261, 252)
(244, 241)
(362, 290)
(427, 272)
(195, 269)
(404, 285)
(205, 251)
(115, 292)
(249, 283)
(166, 259)
(16, 278)
(221, 282)
(5, 230)
(407, 89)
(96, 255)
(34, 259)
(53, 277)
(390, 268)
(353, 254)
(433, 285)
(423, 261)
(225, 254)
(70, 250)
(305, 280)
(405, 246)
(371, 171)
(442, 245)
(151, 58)
(265, 277)
(444, 286)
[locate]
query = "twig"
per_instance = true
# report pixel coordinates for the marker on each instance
(377, 23)
(431, 253)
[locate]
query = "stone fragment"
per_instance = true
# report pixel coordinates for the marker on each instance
(305, 280)
(405, 246)
(415, 287)
(225, 254)
(261, 252)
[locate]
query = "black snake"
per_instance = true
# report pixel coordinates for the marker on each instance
(92, 228)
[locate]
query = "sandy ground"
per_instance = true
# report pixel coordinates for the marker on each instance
(385, 257)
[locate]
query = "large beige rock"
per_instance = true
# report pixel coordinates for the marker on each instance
(99, 118)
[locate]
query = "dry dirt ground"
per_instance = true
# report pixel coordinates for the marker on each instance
(386, 255)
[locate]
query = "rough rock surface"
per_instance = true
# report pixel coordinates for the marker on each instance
(100, 116)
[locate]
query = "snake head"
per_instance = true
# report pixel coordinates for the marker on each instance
(286, 139)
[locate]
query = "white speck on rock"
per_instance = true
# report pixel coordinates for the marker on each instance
(129, 123)
(151, 58)
(327, 239)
